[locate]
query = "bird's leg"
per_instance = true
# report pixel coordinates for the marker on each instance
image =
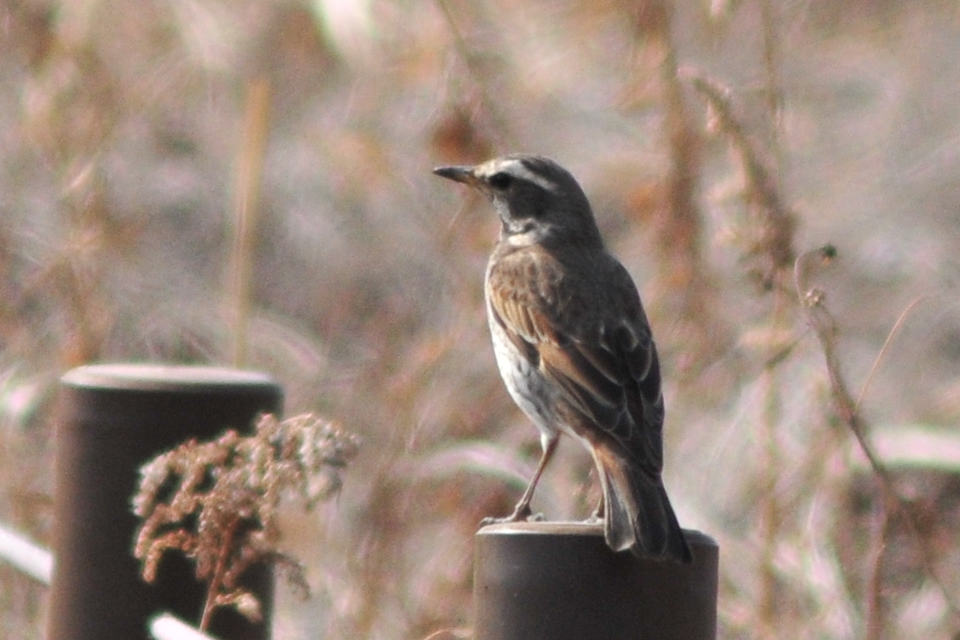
(522, 510)
(600, 511)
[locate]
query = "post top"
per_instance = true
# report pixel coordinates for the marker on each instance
(544, 527)
(573, 528)
(162, 377)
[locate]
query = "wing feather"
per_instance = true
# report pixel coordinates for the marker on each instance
(593, 344)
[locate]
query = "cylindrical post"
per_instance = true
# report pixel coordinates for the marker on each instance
(540, 580)
(114, 419)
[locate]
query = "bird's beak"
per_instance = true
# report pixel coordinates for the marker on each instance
(462, 174)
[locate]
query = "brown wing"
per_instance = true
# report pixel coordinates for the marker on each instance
(586, 331)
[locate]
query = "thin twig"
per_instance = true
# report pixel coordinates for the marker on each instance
(500, 126)
(771, 508)
(776, 215)
(770, 241)
(679, 235)
(876, 609)
(249, 177)
(774, 86)
(777, 222)
(213, 591)
(825, 328)
(886, 344)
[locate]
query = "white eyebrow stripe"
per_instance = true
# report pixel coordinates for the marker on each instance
(519, 170)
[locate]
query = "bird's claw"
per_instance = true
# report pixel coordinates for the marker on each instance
(520, 514)
(598, 514)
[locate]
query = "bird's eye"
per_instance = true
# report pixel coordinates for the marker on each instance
(500, 181)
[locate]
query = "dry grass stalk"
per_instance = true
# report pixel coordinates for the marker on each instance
(216, 502)
(767, 245)
(247, 200)
(686, 290)
(478, 78)
(893, 505)
(769, 235)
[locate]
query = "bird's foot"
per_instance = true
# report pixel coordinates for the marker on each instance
(521, 514)
(595, 517)
(598, 514)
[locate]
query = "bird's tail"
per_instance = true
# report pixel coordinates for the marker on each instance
(638, 515)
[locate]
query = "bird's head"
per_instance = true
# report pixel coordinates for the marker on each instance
(538, 201)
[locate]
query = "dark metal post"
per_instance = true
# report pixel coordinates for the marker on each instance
(115, 418)
(560, 581)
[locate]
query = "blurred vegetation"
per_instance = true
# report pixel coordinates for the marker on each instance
(718, 140)
(223, 511)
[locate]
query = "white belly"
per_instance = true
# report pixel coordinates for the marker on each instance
(534, 394)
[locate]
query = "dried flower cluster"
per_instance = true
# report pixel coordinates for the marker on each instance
(217, 501)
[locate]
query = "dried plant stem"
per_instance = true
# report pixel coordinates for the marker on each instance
(892, 504)
(774, 221)
(875, 606)
(773, 244)
(500, 128)
(684, 159)
(230, 524)
(771, 508)
(886, 345)
(683, 281)
(824, 326)
(771, 232)
(249, 178)
(216, 581)
(774, 86)
(772, 511)
(682, 240)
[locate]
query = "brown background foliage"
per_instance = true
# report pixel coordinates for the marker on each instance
(121, 142)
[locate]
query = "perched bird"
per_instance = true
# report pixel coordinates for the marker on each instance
(574, 347)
